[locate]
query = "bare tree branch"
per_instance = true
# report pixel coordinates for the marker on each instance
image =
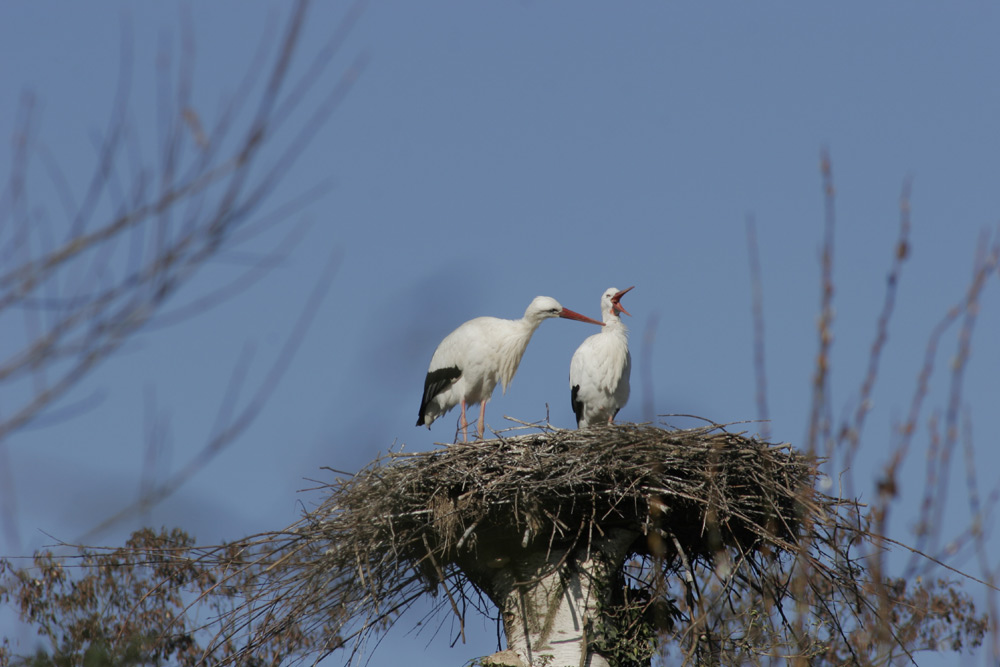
(86, 285)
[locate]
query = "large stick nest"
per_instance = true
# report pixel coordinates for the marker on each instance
(707, 487)
(410, 523)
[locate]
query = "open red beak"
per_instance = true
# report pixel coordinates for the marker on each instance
(617, 307)
(573, 315)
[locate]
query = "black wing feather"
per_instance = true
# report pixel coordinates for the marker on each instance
(577, 404)
(436, 381)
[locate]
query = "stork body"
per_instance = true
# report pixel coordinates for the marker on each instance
(600, 368)
(472, 359)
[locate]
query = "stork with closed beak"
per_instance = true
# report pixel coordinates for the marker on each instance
(600, 368)
(471, 360)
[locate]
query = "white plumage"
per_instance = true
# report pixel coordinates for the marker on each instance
(600, 368)
(471, 360)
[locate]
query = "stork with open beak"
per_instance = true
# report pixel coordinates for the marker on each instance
(471, 360)
(600, 368)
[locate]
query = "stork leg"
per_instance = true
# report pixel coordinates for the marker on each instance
(464, 424)
(482, 419)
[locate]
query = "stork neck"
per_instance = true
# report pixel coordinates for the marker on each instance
(512, 347)
(613, 324)
(528, 324)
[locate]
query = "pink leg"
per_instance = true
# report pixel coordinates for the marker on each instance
(482, 419)
(464, 424)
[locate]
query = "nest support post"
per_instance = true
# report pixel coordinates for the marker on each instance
(549, 598)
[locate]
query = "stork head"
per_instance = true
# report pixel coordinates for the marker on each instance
(610, 301)
(543, 307)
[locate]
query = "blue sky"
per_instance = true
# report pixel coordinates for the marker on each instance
(489, 153)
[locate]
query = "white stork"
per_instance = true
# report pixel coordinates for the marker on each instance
(600, 369)
(471, 360)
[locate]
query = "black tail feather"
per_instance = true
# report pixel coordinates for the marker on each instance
(577, 404)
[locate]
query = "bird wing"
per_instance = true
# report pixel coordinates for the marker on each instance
(622, 388)
(436, 381)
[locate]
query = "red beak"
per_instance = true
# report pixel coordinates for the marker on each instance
(617, 307)
(573, 315)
